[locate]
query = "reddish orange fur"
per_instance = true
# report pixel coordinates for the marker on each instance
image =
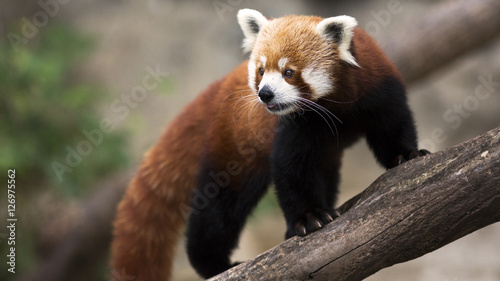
(223, 122)
(150, 216)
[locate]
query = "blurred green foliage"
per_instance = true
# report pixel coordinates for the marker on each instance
(44, 108)
(268, 205)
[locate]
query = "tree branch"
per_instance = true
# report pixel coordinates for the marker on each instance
(446, 32)
(452, 29)
(407, 212)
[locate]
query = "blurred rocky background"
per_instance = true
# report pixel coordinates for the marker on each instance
(71, 128)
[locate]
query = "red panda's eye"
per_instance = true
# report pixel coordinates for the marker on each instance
(261, 71)
(288, 73)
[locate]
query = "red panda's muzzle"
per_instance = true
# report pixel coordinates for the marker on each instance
(266, 95)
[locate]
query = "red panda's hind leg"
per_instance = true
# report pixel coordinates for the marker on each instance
(218, 218)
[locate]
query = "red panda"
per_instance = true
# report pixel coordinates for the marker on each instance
(310, 88)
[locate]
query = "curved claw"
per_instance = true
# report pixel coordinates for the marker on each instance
(312, 221)
(400, 159)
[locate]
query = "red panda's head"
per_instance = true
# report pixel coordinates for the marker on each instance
(294, 59)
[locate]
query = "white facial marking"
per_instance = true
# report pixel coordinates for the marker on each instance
(263, 60)
(318, 79)
(251, 74)
(282, 62)
(284, 92)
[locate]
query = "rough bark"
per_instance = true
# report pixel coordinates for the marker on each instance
(448, 31)
(407, 212)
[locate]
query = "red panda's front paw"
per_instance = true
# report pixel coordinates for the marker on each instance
(312, 221)
(418, 153)
(400, 159)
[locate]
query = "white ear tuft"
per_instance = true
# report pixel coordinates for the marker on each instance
(251, 22)
(339, 30)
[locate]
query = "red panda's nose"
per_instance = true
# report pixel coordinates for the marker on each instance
(265, 94)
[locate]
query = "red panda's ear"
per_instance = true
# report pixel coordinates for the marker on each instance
(339, 30)
(251, 22)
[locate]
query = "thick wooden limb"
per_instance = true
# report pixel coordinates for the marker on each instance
(447, 31)
(444, 33)
(409, 211)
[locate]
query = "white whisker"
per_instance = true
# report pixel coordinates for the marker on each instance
(321, 112)
(249, 119)
(245, 106)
